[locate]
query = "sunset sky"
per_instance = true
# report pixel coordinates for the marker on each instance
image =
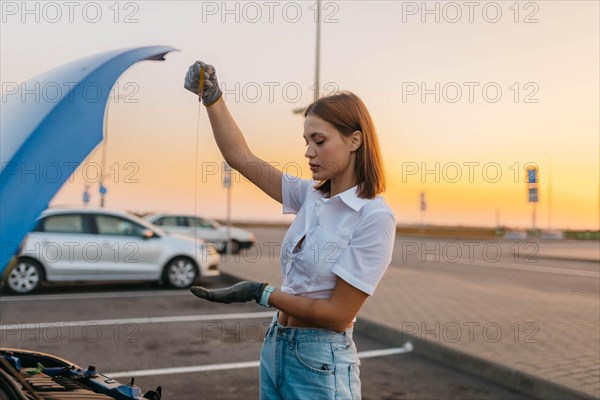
(542, 56)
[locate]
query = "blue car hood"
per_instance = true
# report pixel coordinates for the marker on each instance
(54, 132)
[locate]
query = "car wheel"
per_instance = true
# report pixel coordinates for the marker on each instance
(181, 273)
(25, 277)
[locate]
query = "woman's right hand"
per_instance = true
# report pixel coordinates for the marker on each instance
(201, 79)
(241, 292)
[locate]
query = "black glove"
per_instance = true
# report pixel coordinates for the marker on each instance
(239, 293)
(201, 74)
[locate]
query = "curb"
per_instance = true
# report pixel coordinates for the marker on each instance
(559, 258)
(497, 373)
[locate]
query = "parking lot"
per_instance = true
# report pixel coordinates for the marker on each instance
(196, 349)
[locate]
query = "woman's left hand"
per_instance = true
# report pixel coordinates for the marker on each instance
(239, 293)
(203, 74)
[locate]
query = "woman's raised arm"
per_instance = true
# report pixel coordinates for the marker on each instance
(236, 152)
(228, 135)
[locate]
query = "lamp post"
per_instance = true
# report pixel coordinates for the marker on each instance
(317, 83)
(227, 184)
(532, 191)
(423, 208)
(101, 188)
(318, 52)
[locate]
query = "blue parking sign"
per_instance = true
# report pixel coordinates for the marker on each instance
(532, 175)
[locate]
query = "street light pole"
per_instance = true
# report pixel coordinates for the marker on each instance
(317, 83)
(227, 184)
(318, 52)
(101, 188)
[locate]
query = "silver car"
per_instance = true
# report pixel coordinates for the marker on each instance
(204, 228)
(86, 244)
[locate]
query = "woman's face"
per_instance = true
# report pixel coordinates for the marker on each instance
(327, 150)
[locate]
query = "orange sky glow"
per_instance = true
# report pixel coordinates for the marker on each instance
(466, 150)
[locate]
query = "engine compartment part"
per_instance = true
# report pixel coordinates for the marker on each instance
(29, 375)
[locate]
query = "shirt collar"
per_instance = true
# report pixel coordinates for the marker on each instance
(350, 197)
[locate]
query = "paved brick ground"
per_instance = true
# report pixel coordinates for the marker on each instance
(555, 336)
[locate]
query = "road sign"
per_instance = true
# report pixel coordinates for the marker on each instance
(532, 175)
(532, 184)
(533, 195)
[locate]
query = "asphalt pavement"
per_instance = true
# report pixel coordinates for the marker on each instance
(522, 313)
(199, 350)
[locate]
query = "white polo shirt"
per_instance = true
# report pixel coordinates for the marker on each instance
(345, 236)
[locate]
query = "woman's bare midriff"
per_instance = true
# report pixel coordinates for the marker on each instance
(288, 320)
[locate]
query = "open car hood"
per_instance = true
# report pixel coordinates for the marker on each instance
(38, 131)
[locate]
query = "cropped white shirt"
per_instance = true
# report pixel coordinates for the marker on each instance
(345, 236)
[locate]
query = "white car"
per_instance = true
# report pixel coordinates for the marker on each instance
(204, 228)
(87, 244)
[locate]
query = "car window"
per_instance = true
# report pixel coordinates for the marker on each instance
(182, 221)
(69, 223)
(158, 222)
(166, 221)
(213, 223)
(199, 221)
(116, 226)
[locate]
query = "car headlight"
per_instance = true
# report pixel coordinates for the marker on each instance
(210, 248)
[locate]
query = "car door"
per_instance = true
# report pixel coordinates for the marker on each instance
(126, 254)
(63, 243)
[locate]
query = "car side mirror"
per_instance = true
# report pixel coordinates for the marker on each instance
(148, 234)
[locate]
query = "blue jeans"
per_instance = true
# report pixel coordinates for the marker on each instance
(308, 363)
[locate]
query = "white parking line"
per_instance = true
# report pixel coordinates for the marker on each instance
(94, 296)
(183, 370)
(407, 348)
(145, 320)
(248, 364)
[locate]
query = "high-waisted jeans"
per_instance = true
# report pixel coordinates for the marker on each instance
(308, 363)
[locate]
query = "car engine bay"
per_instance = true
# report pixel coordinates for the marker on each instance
(29, 375)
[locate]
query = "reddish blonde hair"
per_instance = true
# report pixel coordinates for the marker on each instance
(347, 113)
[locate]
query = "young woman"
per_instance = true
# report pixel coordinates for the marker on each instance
(334, 253)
